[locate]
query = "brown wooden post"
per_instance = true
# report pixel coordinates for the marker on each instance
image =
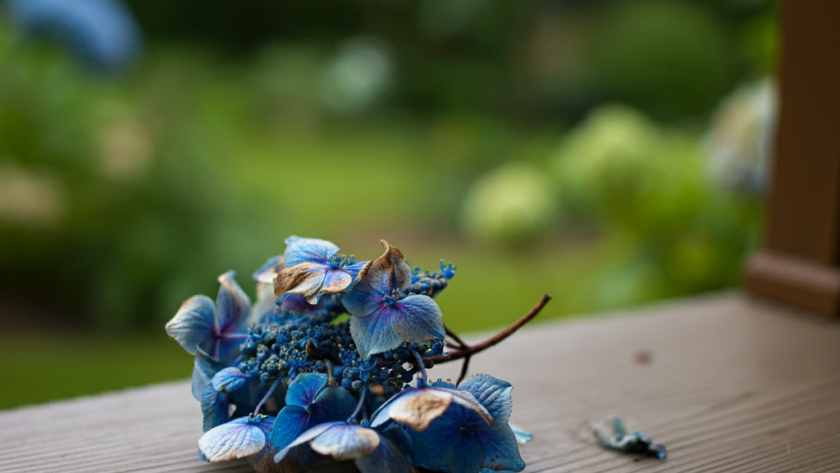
(800, 261)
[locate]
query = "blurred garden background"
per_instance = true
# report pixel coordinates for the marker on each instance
(607, 152)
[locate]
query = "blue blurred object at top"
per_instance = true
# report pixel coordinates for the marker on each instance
(101, 33)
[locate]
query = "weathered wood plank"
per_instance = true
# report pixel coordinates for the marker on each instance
(732, 385)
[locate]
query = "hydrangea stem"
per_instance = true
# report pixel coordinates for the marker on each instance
(421, 383)
(355, 416)
(267, 395)
(454, 336)
(469, 350)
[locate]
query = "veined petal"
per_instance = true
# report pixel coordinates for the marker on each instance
(304, 388)
(229, 379)
(305, 437)
(502, 452)
(335, 281)
(346, 442)
(417, 408)
(238, 438)
(305, 279)
(232, 306)
(374, 333)
(289, 424)
(269, 270)
(492, 393)
(444, 446)
(418, 319)
(194, 324)
(386, 273)
(386, 458)
(354, 269)
(465, 456)
(215, 408)
(362, 300)
(204, 368)
(308, 250)
(522, 435)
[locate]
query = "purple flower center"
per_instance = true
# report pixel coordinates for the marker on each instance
(392, 298)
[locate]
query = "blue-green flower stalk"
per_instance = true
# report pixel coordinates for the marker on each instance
(284, 384)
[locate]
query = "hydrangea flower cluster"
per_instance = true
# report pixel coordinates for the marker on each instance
(330, 364)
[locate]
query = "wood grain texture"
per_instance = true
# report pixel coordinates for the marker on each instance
(730, 385)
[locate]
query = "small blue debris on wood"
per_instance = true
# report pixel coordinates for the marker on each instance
(612, 432)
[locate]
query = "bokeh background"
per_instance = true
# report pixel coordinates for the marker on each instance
(607, 152)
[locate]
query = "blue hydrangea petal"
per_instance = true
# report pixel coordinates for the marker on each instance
(417, 408)
(289, 424)
(194, 324)
(443, 445)
(493, 394)
(238, 438)
(308, 250)
(418, 319)
(304, 388)
(362, 300)
(204, 368)
(374, 334)
(346, 442)
(229, 379)
(269, 270)
(232, 306)
(502, 451)
(398, 435)
(522, 435)
(354, 269)
(305, 279)
(386, 458)
(215, 408)
(465, 456)
(305, 437)
(335, 281)
(333, 404)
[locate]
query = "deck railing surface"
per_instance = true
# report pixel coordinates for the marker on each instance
(726, 383)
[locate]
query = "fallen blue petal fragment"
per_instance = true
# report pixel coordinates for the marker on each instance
(522, 435)
(612, 432)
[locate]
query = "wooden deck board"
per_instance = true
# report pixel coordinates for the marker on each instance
(732, 385)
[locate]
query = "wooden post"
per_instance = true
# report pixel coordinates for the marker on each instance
(800, 261)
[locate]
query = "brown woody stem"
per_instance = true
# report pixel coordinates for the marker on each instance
(469, 350)
(454, 336)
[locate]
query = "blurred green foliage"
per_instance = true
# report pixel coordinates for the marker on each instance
(474, 131)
